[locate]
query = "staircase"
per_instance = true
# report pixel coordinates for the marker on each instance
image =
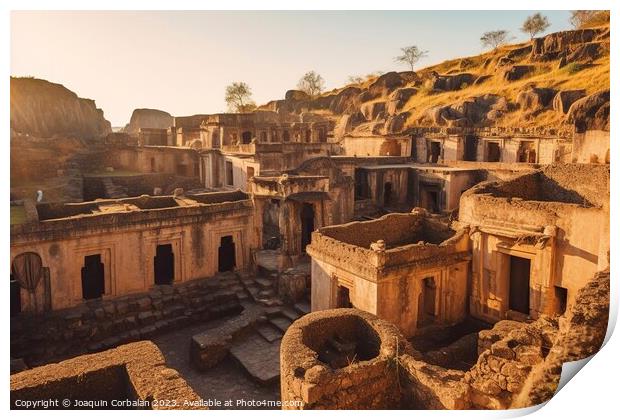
(263, 288)
(258, 353)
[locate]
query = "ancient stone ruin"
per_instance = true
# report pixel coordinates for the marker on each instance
(436, 239)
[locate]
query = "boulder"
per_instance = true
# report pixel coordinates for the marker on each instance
(451, 82)
(565, 98)
(398, 99)
(372, 110)
(396, 123)
(296, 95)
(516, 72)
(535, 99)
(384, 85)
(585, 53)
(345, 101)
(584, 112)
(554, 45)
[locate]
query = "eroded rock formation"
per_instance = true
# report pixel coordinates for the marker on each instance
(43, 109)
(148, 118)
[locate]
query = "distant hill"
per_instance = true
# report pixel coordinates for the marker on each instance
(560, 80)
(43, 109)
(148, 118)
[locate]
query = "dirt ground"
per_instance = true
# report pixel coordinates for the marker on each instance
(226, 381)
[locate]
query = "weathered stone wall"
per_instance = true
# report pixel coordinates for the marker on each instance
(519, 364)
(105, 323)
(127, 241)
(376, 146)
(364, 383)
(133, 372)
(149, 159)
(561, 224)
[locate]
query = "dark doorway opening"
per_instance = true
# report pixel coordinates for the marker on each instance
(226, 254)
(153, 165)
(561, 297)
(308, 136)
(387, 194)
(16, 296)
(526, 152)
(343, 297)
(361, 184)
(271, 225)
(286, 136)
(471, 148)
(229, 173)
(435, 151)
(493, 152)
(429, 198)
(93, 278)
(519, 298)
(246, 137)
(164, 264)
(307, 225)
(426, 302)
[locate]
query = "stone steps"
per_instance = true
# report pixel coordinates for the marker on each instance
(302, 307)
(281, 322)
(269, 332)
(259, 358)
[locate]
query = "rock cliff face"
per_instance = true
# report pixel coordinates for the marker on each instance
(148, 118)
(44, 109)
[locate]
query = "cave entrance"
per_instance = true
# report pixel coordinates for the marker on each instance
(226, 254)
(471, 148)
(93, 277)
(493, 152)
(163, 264)
(519, 298)
(307, 225)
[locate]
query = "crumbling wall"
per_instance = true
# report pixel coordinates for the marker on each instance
(102, 324)
(364, 383)
(133, 372)
(519, 364)
(581, 334)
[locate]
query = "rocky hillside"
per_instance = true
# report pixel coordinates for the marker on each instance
(148, 118)
(559, 81)
(43, 109)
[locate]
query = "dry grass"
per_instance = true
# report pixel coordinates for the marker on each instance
(592, 78)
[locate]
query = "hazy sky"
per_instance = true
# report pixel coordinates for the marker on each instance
(181, 61)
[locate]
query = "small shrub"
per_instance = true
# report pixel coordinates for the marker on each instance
(572, 68)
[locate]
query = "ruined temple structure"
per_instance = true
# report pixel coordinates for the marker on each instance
(405, 268)
(356, 249)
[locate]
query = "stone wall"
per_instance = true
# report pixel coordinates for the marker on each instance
(105, 323)
(134, 374)
(368, 379)
(591, 147)
(519, 364)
